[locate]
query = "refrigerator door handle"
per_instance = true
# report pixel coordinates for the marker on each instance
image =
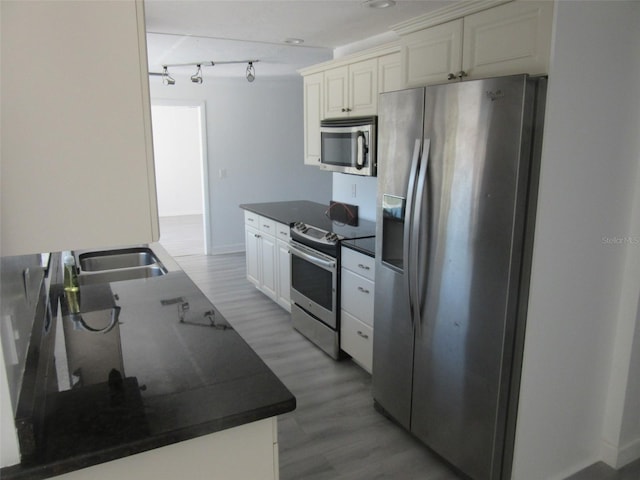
(415, 236)
(409, 272)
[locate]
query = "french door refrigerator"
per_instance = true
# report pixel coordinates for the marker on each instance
(457, 184)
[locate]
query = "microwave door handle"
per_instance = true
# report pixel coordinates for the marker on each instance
(361, 150)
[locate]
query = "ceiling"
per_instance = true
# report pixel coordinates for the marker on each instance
(186, 31)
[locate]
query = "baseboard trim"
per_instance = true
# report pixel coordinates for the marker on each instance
(619, 457)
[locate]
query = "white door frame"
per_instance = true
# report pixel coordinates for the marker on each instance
(201, 106)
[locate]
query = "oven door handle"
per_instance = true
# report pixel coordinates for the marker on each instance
(320, 262)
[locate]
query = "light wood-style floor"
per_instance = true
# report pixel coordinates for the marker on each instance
(334, 433)
(182, 235)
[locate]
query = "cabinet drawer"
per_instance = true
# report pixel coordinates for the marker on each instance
(358, 262)
(357, 340)
(252, 219)
(268, 226)
(357, 296)
(282, 232)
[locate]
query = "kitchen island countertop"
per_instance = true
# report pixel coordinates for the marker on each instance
(170, 369)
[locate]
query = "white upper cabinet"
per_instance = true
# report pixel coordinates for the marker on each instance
(313, 111)
(507, 39)
(77, 156)
(363, 88)
(351, 90)
(390, 73)
(430, 55)
(336, 92)
(347, 87)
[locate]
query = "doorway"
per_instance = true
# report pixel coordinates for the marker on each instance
(179, 145)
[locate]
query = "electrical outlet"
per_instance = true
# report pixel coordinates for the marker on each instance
(353, 190)
(222, 173)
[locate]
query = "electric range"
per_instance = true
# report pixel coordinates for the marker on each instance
(315, 278)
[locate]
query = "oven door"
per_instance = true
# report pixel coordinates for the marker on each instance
(314, 282)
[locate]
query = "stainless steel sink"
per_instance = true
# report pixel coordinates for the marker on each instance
(116, 259)
(119, 275)
(117, 265)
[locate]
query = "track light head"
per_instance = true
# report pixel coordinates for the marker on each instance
(197, 78)
(251, 72)
(166, 78)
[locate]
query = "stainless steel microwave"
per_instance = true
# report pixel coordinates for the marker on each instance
(348, 145)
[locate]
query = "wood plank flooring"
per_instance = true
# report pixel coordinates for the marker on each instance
(182, 235)
(334, 433)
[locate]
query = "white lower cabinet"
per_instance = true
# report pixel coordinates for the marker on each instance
(268, 263)
(284, 267)
(356, 313)
(252, 246)
(268, 255)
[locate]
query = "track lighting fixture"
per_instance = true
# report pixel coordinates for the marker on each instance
(166, 78)
(251, 72)
(197, 78)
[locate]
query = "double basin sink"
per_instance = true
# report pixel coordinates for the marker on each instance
(106, 266)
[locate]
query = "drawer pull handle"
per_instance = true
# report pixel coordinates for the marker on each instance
(363, 290)
(256, 235)
(364, 267)
(266, 226)
(363, 335)
(250, 219)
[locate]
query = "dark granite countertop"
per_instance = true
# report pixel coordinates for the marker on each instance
(362, 245)
(170, 368)
(292, 211)
(310, 213)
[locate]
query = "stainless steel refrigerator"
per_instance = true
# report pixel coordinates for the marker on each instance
(457, 186)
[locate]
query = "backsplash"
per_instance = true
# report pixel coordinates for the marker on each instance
(21, 279)
(356, 190)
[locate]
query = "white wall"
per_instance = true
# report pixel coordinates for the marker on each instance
(356, 190)
(178, 159)
(255, 142)
(587, 188)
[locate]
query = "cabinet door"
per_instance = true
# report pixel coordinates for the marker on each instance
(363, 88)
(356, 339)
(430, 55)
(268, 265)
(389, 73)
(76, 127)
(357, 296)
(252, 246)
(509, 39)
(313, 113)
(336, 92)
(284, 275)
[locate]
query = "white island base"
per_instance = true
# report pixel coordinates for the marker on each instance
(249, 451)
